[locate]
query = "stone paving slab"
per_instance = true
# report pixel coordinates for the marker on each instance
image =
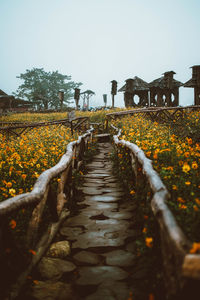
(99, 274)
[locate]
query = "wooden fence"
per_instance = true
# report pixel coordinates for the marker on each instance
(17, 128)
(156, 113)
(40, 197)
(181, 269)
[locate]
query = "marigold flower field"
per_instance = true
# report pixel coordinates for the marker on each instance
(177, 160)
(24, 158)
(175, 155)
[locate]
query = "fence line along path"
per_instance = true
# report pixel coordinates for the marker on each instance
(102, 263)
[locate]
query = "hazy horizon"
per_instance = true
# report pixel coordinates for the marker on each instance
(96, 41)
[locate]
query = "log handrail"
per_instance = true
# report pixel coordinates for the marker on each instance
(39, 197)
(179, 264)
(154, 112)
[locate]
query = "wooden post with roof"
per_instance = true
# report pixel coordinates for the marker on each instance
(135, 86)
(86, 97)
(163, 89)
(195, 83)
(113, 91)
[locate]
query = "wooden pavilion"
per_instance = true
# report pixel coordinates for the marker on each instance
(194, 82)
(164, 91)
(135, 86)
(10, 103)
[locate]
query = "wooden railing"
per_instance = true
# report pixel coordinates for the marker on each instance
(40, 197)
(17, 128)
(156, 113)
(181, 269)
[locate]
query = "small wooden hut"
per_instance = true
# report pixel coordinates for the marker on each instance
(10, 103)
(135, 86)
(164, 91)
(194, 82)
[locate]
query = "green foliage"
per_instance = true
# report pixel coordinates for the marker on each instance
(42, 87)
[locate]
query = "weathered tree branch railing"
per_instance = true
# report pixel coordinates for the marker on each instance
(41, 196)
(155, 113)
(17, 128)
(181, 269)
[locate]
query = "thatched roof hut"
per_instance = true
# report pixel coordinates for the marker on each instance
(163, 89)
(194, 82)
(135, 86)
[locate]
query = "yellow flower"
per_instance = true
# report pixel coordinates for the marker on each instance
(12, 192)
(186, 167)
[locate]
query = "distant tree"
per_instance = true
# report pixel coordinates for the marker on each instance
(42, 87)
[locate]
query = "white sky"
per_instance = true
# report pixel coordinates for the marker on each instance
(96, 41)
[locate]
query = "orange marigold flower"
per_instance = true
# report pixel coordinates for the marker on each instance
(197, 201)
(187, 154)
(195, 208)
(194, 165)
(186, 167)
(13, 224)
(182, 206)
(174, 187)
(187, 183)
(195, 247)
(189, 140)
(32, 251)
(24, 176)
(132, 192)
(180, 199)
(151, 297)
(9, 184)
(149, 242)
(144, 230)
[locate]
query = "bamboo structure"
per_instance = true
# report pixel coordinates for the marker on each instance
(194, 82)
(164, 91)
(135, 86)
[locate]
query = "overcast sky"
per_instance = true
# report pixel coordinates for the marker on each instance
(96, 41)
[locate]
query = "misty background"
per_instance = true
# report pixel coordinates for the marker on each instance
(96, 41)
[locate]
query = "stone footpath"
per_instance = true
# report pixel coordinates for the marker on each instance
(95, 256)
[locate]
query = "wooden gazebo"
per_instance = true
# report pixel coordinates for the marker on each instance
(135, 86)
(194, 82)
(163, 89)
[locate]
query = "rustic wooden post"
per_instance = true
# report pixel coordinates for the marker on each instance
(61, 97)
(76, 97)
(113, 91)
(61, 196)
(35, 220)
